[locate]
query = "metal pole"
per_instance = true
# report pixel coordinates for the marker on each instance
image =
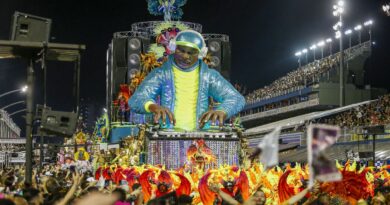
(16, 112)
(78, 83)
(330, 48)
(44, 67)
(350, 44)
(41, 158)
(306, 58)
(12, 104)
(342, 89)
(373, 147)
(360, 37)
(10, 92)
(29, 120)
(314, 54)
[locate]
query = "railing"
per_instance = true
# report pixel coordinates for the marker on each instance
(149, 26)
(349, 53)
(277, 111)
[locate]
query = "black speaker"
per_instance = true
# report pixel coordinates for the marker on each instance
(27, 27)
(62, 123)
(119, 64)
(126, 54)
(220, 54)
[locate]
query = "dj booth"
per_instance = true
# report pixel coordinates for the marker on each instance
(169, 148)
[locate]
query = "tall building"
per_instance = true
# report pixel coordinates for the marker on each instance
(89, 112)
(8, 129)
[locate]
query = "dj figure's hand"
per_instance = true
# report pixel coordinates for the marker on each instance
(162, 113)
(212, 115)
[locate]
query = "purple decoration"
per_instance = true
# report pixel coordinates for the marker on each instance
(173, 153)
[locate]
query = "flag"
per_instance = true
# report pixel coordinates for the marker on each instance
(270, 148)
(319, 138)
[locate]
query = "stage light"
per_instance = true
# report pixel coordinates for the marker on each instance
(313, 47)
(337, 26)
(298, 53)
(321, 43)
(348, 32)
(368, 23)
(338, 34)
(340, 3)
(328, 40)
(386, 9)
(358, 27)
(304, 50)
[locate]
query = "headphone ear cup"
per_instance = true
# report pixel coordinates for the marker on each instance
(203, 52)
(172, 45)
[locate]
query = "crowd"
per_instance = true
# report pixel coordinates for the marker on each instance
(279, 185)
(294, 80)
(373, 113)
(11, 147)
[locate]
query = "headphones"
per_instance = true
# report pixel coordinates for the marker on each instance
(203, 50)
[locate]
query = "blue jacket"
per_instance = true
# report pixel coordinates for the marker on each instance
(161, 82)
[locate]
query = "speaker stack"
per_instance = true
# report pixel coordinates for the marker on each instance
(126, 57)
(220, 53)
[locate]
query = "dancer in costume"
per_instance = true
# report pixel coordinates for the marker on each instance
(185, 84)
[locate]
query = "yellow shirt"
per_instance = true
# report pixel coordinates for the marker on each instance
(186, 96)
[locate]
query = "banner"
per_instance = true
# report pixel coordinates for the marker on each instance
(319, 138)
(270, 148)
(12, 140)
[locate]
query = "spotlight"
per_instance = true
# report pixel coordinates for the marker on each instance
(321, 43)
(298, 53)
(329, 40)
(358, 27)
(368, 23)
(338, 34)
(348, 32)
(386, 9)
(304, 50)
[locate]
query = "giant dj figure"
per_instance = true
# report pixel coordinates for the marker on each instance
(185, 83)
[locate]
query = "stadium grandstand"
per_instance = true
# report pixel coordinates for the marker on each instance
(310, 94)
(311, 87)
(355, 143)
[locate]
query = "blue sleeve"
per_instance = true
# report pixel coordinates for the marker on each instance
(146, 91)
(232, 102)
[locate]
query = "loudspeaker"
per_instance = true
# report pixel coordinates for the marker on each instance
(39, 111)
(119, 65)
(62, 123)
(220, 54)
(27, 27)
(126, 54)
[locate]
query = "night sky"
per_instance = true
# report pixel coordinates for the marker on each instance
(264, 36)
